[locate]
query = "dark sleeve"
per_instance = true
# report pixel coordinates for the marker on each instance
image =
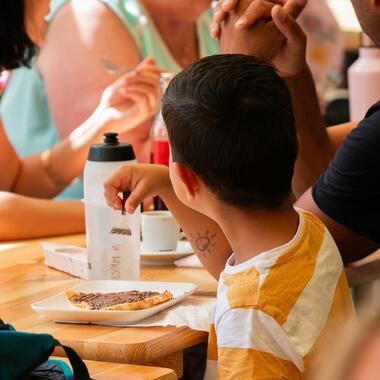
(349, 191)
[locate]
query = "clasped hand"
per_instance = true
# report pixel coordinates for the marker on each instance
(265, 29)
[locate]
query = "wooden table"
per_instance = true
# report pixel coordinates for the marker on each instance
(112, 371)
(24, 279)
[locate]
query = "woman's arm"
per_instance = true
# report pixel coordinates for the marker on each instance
(23, 218)
(80, 36)
(124, 105)
(44, 175)
(9, 161)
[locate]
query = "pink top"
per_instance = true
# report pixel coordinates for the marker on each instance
(4, 76)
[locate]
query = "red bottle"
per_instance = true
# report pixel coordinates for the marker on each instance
(160, 140)
(159, 134)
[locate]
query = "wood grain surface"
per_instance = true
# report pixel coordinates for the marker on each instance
(25, 279)
(112, 371)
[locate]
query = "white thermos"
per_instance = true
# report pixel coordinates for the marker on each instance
(364, 79)
(110, 256)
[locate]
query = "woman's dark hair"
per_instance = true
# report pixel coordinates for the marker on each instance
(230, 119)
(16, 48)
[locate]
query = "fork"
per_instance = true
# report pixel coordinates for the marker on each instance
(114, 69)
(122, 228)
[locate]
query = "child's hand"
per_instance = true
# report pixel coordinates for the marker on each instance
(132, 99)
(142, 181)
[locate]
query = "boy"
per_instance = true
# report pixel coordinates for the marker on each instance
(233, 145)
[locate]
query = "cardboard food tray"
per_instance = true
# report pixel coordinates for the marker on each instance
(69, 259)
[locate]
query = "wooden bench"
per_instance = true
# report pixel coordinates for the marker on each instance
(116, 371)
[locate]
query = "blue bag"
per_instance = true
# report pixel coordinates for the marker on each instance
(25, 356)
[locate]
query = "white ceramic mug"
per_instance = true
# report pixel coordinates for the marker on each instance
(160, 231)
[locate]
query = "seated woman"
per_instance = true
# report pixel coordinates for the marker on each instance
(126, 103)
(74, 64)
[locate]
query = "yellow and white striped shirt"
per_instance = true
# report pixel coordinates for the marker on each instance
(273, 310)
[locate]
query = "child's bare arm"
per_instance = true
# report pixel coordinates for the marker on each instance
(144, 181)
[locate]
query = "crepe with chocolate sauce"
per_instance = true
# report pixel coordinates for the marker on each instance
(122, 301)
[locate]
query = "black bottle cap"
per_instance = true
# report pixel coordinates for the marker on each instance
(111, 150)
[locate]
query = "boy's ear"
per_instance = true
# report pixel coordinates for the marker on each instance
(188, 179)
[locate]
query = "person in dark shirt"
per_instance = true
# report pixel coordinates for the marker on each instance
(349, 190)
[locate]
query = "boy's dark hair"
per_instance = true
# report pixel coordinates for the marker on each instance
(16, 48)
(229, 118)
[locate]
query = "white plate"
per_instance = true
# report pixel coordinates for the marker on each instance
(58, 308)
(167, 257)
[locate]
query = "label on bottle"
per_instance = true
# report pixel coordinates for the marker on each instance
(121, 261)
(160, 152)
(117, 250)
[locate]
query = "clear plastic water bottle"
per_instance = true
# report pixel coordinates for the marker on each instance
(364, 79)
(110, 256)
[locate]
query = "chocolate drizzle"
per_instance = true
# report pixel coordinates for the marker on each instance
(97, 301)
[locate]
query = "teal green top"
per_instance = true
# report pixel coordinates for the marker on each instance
(27, 120)
(24, 108)
(149, 42)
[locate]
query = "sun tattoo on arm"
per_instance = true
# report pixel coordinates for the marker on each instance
(202, 243)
